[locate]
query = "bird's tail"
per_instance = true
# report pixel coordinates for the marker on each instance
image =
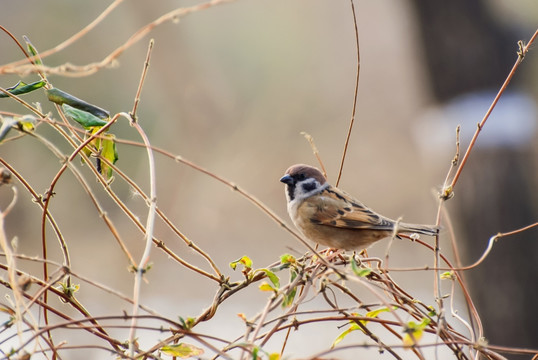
(419, 229)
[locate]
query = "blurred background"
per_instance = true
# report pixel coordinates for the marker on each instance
(232, 87)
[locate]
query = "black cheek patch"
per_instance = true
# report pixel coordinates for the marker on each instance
(291, 191)
(307, 187)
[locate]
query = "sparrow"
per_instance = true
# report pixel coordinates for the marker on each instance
(328, 216)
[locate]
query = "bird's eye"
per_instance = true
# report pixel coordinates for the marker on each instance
(301, 176)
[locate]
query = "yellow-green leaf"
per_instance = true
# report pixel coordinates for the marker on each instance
(271, 276)
(245, 261)
(352, 327)
(182, 350)
(359, 271)
(411, 338)
(413, 332)
(188, 323)
(265, 286)
(290, 296)
(374, 313)
(27, 123)
(108, 151)
(287, 259)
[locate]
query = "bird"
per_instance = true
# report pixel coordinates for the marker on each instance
(329, 216)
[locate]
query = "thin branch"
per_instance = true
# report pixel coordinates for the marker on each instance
(352, 120)
(150, 223)
(520, 56)
(89, 69)
(142, 78)
(71, 40)
(310, 140)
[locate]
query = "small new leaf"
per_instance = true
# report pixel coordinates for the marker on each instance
(287, 259)
(245, 261)
(188, 323)
(271, 276)
(33, 51)
(69, 290)
(359, 271)
(265, 286)
(447, 275)
(414, 332)
(182, 350)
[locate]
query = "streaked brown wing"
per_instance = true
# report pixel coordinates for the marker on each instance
(337, 209)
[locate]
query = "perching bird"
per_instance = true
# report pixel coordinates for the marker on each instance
(331, 217)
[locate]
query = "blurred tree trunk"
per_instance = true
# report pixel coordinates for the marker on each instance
(467, 51)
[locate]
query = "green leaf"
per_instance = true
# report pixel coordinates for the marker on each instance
(245, 261)
(362, 272)
(255, 353)
(447, 275)
(265, 286)
(290, 296)
(272, 276)
(108, 151)
(33, 51)
(27, 123)
(69, 290)
(287, 259)
(23, 88)
(182, 350)
(413, 332)
(354, 324)
(61, 97)
(375, 313)
(187, 324)
(84, 118)
(352, 327)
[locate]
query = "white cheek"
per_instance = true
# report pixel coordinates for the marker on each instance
(301, 193)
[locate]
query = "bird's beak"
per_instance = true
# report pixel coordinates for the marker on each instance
(287, 179)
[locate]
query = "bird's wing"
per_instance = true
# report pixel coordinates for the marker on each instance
(333, 207)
